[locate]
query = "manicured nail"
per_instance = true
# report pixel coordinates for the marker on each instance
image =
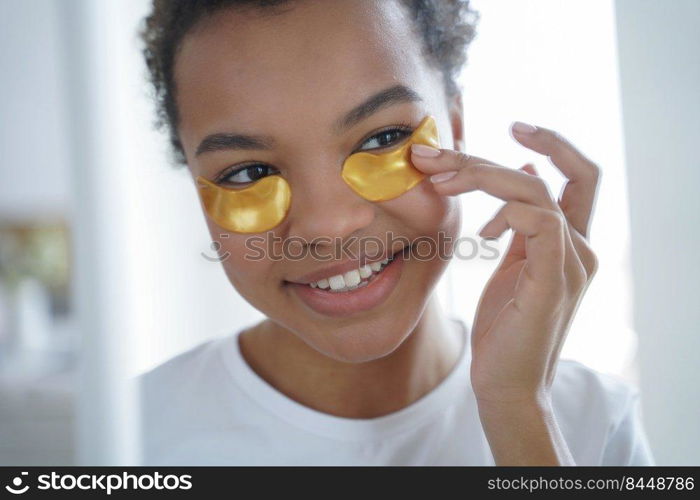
(529, 168)
(523, 128)
(423, 150)
(442, 176)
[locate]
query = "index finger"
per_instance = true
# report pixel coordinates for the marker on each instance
(472, 172)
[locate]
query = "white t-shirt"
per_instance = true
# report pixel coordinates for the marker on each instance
(207, 406)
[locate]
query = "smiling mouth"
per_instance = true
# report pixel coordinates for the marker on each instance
(354, 291)
(356, 278)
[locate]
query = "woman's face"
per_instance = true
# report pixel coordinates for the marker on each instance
(295, 81)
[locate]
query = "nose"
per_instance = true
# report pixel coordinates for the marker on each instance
(323, 205)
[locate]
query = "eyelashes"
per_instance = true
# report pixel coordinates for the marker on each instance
(403, 129)
(240, 175)
(254, 172)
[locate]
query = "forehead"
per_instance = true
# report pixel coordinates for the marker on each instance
(311, 62)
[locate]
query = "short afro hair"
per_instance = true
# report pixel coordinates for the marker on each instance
(447, 27)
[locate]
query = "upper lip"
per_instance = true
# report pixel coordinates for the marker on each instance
(339, 268)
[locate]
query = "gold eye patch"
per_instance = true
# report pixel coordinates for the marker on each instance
(381, 177)
(253, 209)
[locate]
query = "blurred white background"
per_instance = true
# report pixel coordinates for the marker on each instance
(539, 62)
(77, 145)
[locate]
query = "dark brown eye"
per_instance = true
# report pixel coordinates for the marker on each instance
(385, 138)
(248, 174)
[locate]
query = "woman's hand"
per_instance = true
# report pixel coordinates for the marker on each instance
(528, 304)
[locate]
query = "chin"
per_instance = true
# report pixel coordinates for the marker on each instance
(364, 341)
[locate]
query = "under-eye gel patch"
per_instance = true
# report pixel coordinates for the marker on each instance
(253, 209)
(381, 177)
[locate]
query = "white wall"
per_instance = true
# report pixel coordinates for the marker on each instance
(104, 283)
(33, 119)
(36, 411)
(659, 45)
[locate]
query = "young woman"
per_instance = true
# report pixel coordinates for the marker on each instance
(292, 117)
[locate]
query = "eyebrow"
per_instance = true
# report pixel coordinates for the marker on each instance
(223, 141)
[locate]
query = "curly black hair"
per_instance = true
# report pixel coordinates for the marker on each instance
(447, 28)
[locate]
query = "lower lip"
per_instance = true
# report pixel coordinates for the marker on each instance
(340, 304)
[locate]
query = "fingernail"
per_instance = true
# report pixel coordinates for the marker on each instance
(423, 150)
(442, 176)
(529, 168)
(523, 128)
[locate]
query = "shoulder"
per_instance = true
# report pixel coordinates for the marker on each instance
(180, 399)
(578, 389)
(598, 415)
(182, 370)
(182, 382)
(193, 359)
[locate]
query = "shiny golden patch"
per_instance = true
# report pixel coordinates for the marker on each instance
(253, 209)
(381, 177)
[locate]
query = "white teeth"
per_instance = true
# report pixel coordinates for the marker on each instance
(365, 271)
(352, 278)
(337, 282)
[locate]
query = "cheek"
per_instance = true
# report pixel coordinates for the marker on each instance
(425, 212)
(245, 262)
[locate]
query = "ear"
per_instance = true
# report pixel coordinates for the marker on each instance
(456, 113)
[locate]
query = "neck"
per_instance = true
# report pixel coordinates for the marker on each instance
(356, 390)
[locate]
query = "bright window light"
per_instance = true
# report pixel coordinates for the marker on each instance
(553, 64)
